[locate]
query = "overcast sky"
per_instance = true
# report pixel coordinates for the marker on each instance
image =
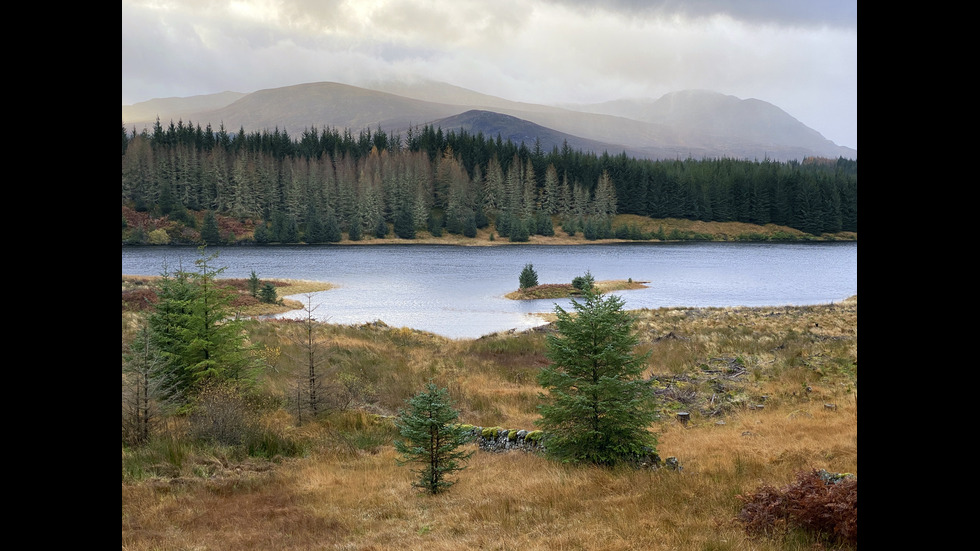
(799, 55)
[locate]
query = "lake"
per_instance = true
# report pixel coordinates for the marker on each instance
(459, 291)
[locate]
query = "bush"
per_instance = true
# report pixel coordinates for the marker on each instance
(820, 503)
(159, 236)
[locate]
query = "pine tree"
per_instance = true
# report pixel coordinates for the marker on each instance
(598, 408)
(432, 439)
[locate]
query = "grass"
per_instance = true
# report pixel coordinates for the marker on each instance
(345, 491)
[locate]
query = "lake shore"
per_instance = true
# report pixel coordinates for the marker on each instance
(670, 230)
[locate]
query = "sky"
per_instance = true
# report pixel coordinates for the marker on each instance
(800, 55)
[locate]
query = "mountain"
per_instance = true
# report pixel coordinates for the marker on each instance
(148, 110)
(686, 124)
(492, 124)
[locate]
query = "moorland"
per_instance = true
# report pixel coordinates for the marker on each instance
(770, 392)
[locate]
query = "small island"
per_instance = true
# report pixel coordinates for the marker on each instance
(569, 290)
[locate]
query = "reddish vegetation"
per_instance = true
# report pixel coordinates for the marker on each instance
(139, 294)
(227, 226)
(135, 300)
(827, 508)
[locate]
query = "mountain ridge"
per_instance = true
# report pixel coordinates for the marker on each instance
(683, 124)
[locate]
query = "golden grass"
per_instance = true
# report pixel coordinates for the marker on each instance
(791, 361)
(503, 501)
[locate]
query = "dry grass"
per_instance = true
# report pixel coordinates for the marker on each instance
(138, 294)
(347, 493)
(502, 501)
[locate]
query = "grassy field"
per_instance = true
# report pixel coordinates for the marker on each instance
(771, 392)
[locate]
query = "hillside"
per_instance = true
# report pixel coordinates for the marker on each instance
(686, 124)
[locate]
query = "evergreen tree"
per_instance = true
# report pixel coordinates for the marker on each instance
(528, 277)
(315, 230)
(598, 408)
(355, 233)
(544, 225)
(210, 233)
(435, 224)
(331, 228)
(518, 230)
(381, 228)
(268, 294)
(551, 203)
(289, 231)
(199, 340)
(253, 285)
(404, 225)
(261, 234)
(469, 224)
(432, 439)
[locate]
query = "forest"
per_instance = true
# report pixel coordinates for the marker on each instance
(331, 182)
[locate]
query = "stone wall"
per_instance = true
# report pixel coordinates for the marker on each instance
(499, 439)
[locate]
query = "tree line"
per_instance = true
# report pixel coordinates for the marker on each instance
(327, 182)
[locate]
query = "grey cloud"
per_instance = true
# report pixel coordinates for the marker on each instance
(806, 13)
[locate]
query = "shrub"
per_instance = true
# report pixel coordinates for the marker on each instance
(820, 503)
(159, 236)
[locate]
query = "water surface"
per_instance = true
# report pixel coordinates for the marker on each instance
(459, 291)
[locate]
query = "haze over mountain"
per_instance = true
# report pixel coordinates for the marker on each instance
(686, 124)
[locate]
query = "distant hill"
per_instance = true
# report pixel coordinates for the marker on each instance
(686, 124)
(166, 108)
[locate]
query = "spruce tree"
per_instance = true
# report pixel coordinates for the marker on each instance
(598, 407)
(404, 226)
(528, 277)
(199, 340)
(432, 439)
(210, 233)
(253, 285)
(268, 294)
(331, 229)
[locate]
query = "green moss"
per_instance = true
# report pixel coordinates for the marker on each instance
(491, 432)
(534, 436)
(512, 435)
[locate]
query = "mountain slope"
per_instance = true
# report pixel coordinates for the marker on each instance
(177, 108)
(687, 124)
(491, 124)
